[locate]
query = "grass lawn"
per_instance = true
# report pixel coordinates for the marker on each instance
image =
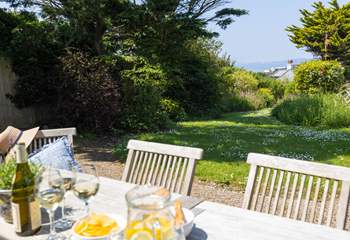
(228, 140)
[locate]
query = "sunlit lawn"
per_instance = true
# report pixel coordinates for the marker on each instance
(228, 140)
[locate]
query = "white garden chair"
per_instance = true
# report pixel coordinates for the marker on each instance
(159, 164)
(50, 135)
(301, 190)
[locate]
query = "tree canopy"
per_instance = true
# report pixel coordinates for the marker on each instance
(325, 31)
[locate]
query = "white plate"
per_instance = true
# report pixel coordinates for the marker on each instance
(121, 221)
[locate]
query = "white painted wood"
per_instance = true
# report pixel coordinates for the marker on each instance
(257, 190)
(164, 171)
(285, 194)
(167, 149)
(306, 167)
(267, 177)
(217, 221)
(296, 199)
(277, 196)
(307, 199)
(343, 205)
(291, 200)
(50, 135)
(250, 186)
(315, 200)
(272, 188)
(332, 202)
(300, 194)
(323, 202)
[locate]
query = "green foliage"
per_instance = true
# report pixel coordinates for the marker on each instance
(267, 95)
(276, 86)
(33, 52)
(128, 55)
(242, 81)
(290, 89)
(142, 87)
(325, 31)
(8, 170)
(173, 109)
(324, 110)
(194, 78)
(319, 76)
(89, 95)
(228, 140)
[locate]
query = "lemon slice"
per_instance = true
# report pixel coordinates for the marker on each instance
(141, 235)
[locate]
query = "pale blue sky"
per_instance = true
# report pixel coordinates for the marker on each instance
(261, 35)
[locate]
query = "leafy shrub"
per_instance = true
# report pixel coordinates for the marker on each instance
(290, 89)
(325, 110)
(267, 95)
(277, 87)
(242, 81)
(173, 109)
(142, 88)
(248, 101)
(90, 94)
(319, 76)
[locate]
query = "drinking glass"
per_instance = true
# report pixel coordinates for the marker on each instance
(86, 185)
(69, 178)
(50, 193)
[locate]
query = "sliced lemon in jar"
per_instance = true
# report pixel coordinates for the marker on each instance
(141, 235)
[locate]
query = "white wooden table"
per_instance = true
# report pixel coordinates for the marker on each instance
(218, 221)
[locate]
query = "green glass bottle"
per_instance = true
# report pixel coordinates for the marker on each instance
(25, 208)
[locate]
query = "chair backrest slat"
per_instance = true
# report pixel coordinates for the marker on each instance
(307, 191)
(47, 136)
(159, 164)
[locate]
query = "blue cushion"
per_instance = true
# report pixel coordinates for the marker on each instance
(58, 154)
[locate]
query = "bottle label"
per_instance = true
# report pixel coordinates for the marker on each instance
(16, 217)
(34, 213)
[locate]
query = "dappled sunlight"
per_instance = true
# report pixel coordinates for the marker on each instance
(227, 143)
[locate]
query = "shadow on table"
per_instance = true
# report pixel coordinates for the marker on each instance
(197, 234)
(45, 226)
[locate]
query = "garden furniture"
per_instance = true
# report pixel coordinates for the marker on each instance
(47, 136)
(301, 190)
(214, 221)
(160, 164)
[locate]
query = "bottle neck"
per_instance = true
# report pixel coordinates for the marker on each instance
(21, 154)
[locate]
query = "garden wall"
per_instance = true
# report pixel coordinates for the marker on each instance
(9, 114)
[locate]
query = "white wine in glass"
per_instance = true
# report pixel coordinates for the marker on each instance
(50, 193)
(86, 185)
(69, 177)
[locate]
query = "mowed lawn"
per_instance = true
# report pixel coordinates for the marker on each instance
(228, 140)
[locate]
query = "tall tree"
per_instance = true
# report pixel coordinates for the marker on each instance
(325, 31)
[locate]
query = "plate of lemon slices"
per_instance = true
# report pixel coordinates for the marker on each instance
(97, 226)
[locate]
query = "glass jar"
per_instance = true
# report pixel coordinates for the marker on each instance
(149, 216)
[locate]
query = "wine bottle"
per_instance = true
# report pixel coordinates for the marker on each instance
(25, 208)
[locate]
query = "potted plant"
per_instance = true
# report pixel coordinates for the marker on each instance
(7, 171)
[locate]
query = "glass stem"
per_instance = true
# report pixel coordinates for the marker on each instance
(52, 219)
(63, 207)
(87, 207)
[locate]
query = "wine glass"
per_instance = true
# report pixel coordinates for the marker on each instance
(50, 193)
(86, 185)
(69, 178)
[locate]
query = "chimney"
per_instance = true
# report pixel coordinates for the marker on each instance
(290, 64)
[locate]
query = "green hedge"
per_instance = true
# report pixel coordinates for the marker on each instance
(323, 110)
(319, 77)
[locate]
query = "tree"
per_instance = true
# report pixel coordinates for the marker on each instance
(325, 32)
